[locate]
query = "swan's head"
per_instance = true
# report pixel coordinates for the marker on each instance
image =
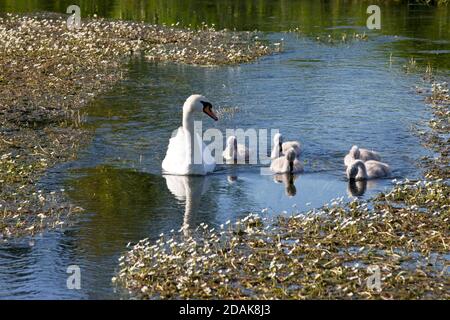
(353, 169)
(198, 103)
(354, 152)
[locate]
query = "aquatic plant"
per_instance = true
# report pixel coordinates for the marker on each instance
(322, 253)
(207, 46)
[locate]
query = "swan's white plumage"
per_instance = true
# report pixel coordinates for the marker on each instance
(356, 153)
(179, 156)
(176, 161)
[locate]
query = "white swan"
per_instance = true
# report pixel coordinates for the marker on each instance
(280, 148)
(361, 154)
(186, 153)
(287, 164)
(235, 152)
(360, 170)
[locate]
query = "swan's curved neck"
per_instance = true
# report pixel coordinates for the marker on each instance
(188, 121)
(188, 127)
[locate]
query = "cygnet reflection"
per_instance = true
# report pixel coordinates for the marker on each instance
(289, 182)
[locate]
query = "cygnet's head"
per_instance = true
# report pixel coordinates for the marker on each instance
(291, 155)
(354, 152)
(277, 139)
(198, 103)
(353, 168)
(232, 142)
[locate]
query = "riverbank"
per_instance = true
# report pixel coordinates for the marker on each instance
(48, 73)
(394, 246)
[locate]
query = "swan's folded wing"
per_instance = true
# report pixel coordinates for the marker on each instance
(176, 153)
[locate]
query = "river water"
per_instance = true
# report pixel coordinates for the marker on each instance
(328, 96)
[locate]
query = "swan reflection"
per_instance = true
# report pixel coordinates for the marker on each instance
(188, 189)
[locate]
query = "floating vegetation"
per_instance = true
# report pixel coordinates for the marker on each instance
(48, 73)
(319, 254)
(401, 237)
(437, 137)
(207, 46)
(342, 38)
(411, 65)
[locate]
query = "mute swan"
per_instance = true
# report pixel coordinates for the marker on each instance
(361, 154)
(287, 164)
(360, 170)
(235, 152)
(186, 147)
(280, 148)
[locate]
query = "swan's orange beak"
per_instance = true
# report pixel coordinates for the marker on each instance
(208, 110)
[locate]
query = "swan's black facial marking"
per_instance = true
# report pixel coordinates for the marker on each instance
(206, 104)
(207, 108)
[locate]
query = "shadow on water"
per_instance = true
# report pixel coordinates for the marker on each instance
(327, 96)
